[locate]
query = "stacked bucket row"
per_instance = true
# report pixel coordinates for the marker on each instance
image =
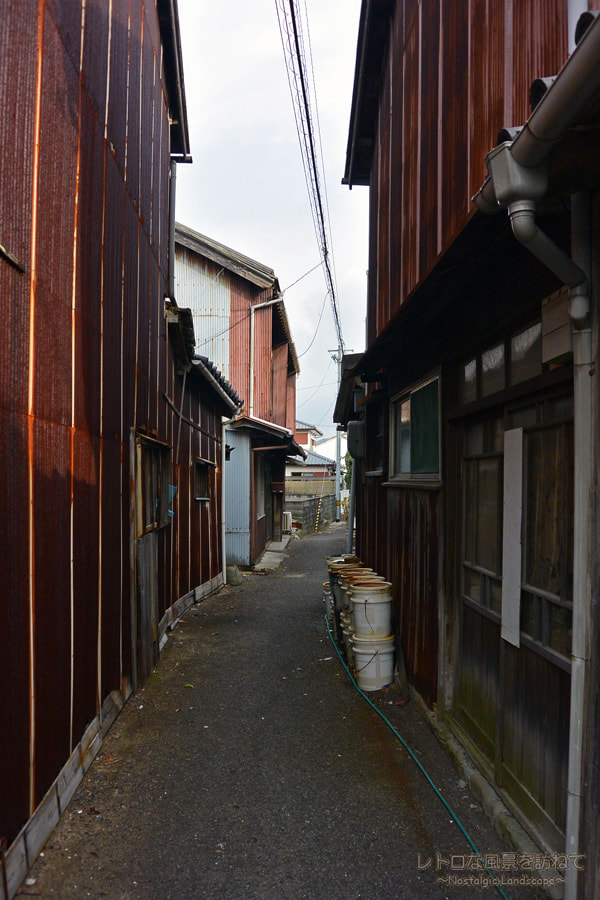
(359, 608)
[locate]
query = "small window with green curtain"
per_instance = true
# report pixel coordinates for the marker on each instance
(415, 433)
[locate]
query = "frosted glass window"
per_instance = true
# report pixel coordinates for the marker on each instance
(492, 370)
(526, 354)
(468, 387)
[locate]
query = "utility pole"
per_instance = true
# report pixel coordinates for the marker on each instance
(337, 356)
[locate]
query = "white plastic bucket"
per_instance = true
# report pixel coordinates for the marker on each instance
(327, 599)
(374, 662)
(371, 608)
(346, 577)
(336, 570)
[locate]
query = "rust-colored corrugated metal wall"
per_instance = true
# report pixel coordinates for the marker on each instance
(84, 211)
(263, 374)
(279, 390)
(454, 74)
(290, 408)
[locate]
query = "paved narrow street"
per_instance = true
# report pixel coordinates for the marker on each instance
(249, 768)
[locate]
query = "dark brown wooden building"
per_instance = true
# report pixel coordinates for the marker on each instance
(110, 428)
(476, 494)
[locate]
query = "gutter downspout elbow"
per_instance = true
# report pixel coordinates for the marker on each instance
(526, 231)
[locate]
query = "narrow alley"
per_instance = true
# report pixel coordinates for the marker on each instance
(249, 768)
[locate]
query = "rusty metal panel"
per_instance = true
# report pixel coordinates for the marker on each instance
(67, 20)
(280, 355)
(429, 187)
(51, 494)
(130, 316)
(411, 158)
(290, 409)
(384, 248)
(147, 118)
(537, 38)
(85, 463)
(14, 311)
(373, 321)
(205, 289)
(143, 324)
(14, 622)
(263, 325)
(112, 564)
(112, 267)
(133, 102)
(239, 346)
(454, 135)
(395, 214)
(84, 361)
(54, 227)
(89, 275)
(17, 92)
(117, 97)
(95, 56)
(159, 153)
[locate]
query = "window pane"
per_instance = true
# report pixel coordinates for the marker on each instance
(529, 615)
(404, 437)
(492, 370)
(526, 354)
(549, 510)
(468, 385)
(560, 629)
(475, 439)
(470, 512)
(473, 585)
(495, 598)
(488, 515)
(425, 430)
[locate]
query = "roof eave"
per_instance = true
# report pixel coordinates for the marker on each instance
(168, 19)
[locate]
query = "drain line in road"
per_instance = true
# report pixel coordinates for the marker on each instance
(417, 762)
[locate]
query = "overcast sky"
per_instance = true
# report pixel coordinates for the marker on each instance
(246, 186)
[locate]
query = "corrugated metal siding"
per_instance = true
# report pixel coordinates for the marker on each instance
(239, 350)
(431, 160)
(237, 498)
(280, 357)
(290, 409)
(93, 369)
(263, 327)
(411, 134)
(205, 289)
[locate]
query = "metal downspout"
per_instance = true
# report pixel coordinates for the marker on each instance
(223, 523)
(351, 508)
(582, 390)
(171, 265)
(575, 272)
(581, 252)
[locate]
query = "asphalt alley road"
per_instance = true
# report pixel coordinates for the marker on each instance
(249, 768)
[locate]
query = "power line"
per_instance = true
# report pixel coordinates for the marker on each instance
(318, 266)
(290, 28)
(304, 402)
(304, 352)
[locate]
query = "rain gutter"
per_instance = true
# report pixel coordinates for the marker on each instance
(518, 179)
